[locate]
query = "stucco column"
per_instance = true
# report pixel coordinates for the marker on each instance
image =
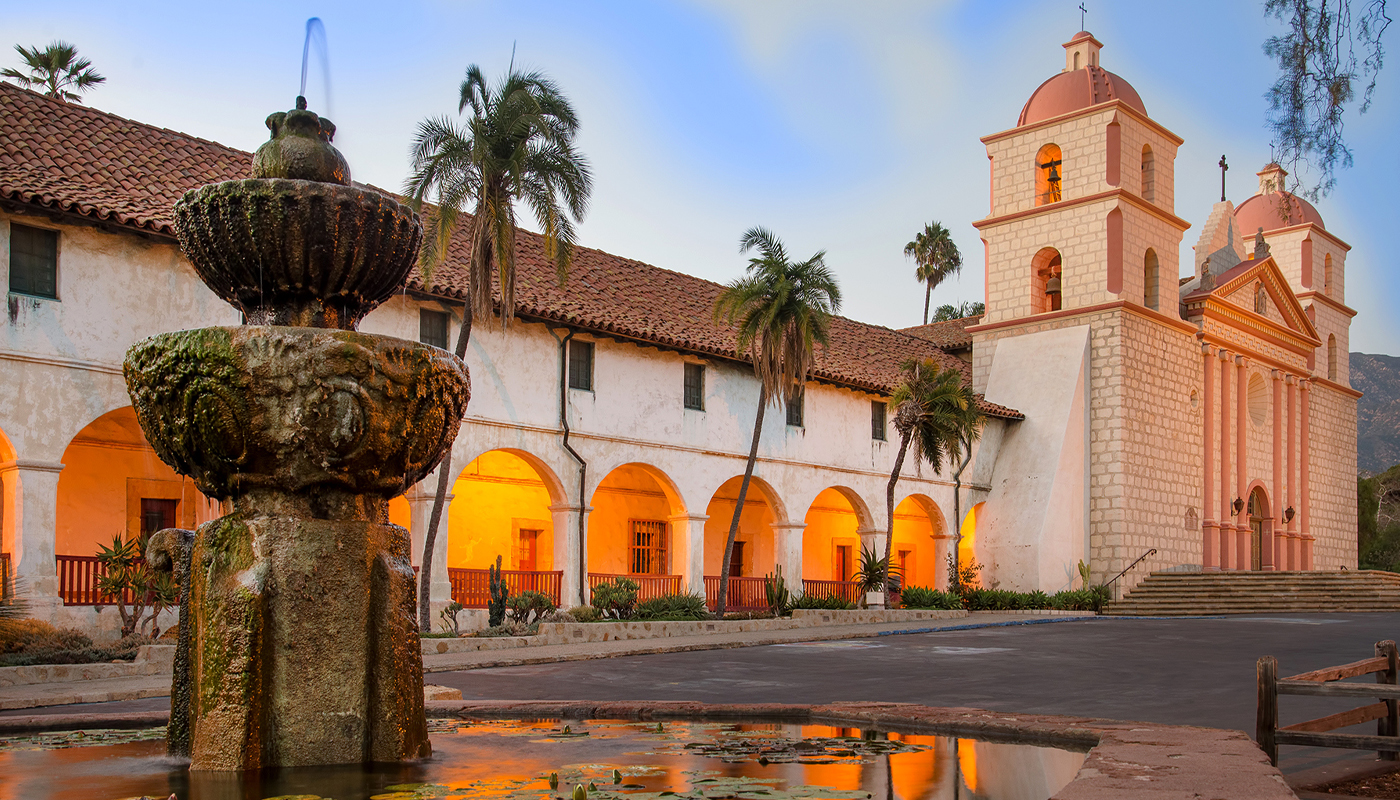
(1210, 528)
(1304, 524)
(688, 551)
(569, 552)
(787, 551)
(420, 510)
(1242, 533)
(31, 503)
(1227, 525)
(1271, 549)
(1290, 543)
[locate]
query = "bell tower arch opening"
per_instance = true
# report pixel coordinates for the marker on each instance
(1046, 281)
(1049, 175)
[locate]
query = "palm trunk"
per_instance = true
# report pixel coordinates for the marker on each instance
(425, 573)
(739, 505)
(957, 517)
(889, 511)
(928, 290)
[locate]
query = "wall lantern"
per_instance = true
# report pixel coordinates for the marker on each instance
(1238, 505)
(1288, 514)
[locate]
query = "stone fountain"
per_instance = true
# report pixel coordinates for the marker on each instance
(299, 640)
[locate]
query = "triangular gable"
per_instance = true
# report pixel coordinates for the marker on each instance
(1237, 287)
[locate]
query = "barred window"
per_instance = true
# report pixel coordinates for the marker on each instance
(695, 386)
(581, 365)
(33, 261)
(432, 328)
(877, 420)
(794, 407)
(648, 547)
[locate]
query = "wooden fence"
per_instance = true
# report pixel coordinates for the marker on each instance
(1323, 683)
(650, 586)
(745, 594)
(472, 587)
(77, 582)
(846, 590)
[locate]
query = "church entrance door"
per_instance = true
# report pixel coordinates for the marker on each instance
(1256, 529)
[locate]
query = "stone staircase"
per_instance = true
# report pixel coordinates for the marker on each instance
(1179, 594)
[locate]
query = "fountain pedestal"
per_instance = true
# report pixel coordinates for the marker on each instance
(301, 645)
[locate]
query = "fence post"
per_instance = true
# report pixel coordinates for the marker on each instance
(1387, 725)
(1266, 720)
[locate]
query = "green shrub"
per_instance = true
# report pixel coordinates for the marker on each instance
(1091, 599)
(926, 597)
(528, 607)
(584, 614)
(823, 602)
(673, 607)
(617, 598)
(73, 647)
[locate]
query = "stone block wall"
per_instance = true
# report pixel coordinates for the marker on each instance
(1332, 485)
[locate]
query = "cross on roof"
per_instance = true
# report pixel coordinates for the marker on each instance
(1223, 168)
(1082, 12)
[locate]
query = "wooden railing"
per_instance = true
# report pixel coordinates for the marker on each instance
(472, 587)
(1322, 683)
(77, 582)
(745, 594)
(649, 586)
(846, 590)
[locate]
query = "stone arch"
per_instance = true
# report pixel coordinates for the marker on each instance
(502, 505)
(763, 512)
(969, 531)
(629, 527)
(1149, 177)
(113, 483)
(1046, 280)
(831, 536)
(1049, 175)
(921, 542)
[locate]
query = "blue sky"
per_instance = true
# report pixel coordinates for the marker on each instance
(841, 126)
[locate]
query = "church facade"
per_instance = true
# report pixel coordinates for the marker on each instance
(1209, 418)
(1205, 422)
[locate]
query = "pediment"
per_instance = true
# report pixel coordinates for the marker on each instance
(1258, 288)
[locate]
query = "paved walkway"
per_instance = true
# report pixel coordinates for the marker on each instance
(22, 700)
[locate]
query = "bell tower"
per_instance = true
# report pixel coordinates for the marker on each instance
(1082, 203)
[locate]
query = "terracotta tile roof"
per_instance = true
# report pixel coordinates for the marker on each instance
(78, 160)
(950, 334)
(75, 159)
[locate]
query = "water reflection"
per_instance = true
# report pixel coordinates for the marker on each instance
(513, 761)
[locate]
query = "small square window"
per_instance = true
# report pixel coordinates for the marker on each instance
(432, 328)
(794, 407)
(877, 420)
(157, 514)
(581, 365)
(695, 386)
(33, 261)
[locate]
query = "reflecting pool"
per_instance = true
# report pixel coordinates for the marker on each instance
(549, 759)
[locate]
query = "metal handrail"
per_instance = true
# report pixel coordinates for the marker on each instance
(1139, 560)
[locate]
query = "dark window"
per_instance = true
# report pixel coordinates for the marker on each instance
(794, 408)
(432, 328)
(695, 386)
(648, 547)
(157, 514)
(877, 420)
(33, 261)
(581, 365)
(736, 568)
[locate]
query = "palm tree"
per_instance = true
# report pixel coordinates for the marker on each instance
(936, 256)
(936, 412)
(518, 145)
(947, 313)
(54, 69)
(782, 310)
